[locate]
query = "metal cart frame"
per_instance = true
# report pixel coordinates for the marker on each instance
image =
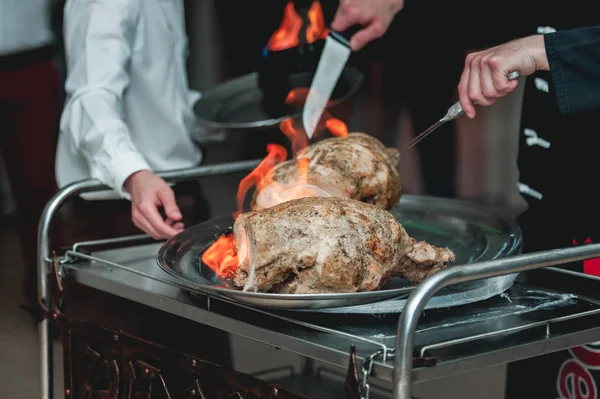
(416, 303)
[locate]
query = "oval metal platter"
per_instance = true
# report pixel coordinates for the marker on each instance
(472, 232)
(238, 103)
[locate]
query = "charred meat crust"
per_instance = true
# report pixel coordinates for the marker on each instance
(358, 165)
(320, 245)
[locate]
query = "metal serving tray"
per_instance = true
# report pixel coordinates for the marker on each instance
(472, 232)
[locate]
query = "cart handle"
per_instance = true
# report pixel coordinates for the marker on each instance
(44, 255)
(418, 299)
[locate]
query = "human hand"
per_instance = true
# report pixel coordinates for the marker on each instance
(374, 15)
(148, 193)
(485, 77)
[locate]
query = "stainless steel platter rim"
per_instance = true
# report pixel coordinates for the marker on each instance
(335, 299)
(389, 294)
(252, 84)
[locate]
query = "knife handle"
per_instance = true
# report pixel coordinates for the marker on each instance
(345, 36)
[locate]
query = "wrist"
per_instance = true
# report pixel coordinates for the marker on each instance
(132, 178)
(539, 53)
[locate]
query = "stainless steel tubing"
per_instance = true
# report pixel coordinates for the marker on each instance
(405, 335)
(44, 254)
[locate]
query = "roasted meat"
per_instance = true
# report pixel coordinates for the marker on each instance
(320, 245)
(357, 166)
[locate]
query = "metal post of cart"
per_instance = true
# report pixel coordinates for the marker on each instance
(405, 335)
(45, 256)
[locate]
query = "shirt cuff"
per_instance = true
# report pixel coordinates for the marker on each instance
(562, 98)
(114, 169)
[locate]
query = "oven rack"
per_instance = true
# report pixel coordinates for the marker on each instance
(391, 356)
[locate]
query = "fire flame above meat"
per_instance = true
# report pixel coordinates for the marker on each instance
(221, 256)
(288, 34)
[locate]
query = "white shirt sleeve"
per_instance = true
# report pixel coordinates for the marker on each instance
(98, 45)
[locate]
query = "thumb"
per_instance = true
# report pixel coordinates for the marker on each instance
(341, 20)
(500, 72)
(512, 85)
(167, 199)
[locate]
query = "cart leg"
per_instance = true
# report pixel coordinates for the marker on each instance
(44, 263)
(44, 253)
(45, 340)
(46, 363)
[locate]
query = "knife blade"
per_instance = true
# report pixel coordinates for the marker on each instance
(331, 64)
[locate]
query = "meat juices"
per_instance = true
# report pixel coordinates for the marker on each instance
(357, 166)
(326, 245)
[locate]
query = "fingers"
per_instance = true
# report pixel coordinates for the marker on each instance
(475, 85)
(167, 199)
(345, 16)
(150, 220)
(463, 94)
(140, 221)
(178, 226)
(488, 89)
(374, 24)
(500, 77)
(372, 31)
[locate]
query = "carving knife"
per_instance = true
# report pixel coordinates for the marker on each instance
(453, 112)
(331, 64)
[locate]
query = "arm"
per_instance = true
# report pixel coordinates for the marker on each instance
(98, 49)
(574, 59)
(98, 46)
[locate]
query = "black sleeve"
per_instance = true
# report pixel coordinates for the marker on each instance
(574, 59)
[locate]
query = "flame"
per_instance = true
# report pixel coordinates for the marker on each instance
(337, 127)
(297, 97)
(316, 29)
(275, 154)
(221, 257)
(286, 36)
(297, 137)
(288, 33)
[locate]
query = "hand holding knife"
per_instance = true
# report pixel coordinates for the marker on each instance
(356, 23)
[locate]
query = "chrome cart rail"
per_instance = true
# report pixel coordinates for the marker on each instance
(316, 338)
(403, 366)
(45, 256)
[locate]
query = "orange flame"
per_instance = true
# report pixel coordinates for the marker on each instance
(298, 138)
(337, 127)
(286, 36)
(221, 257)
(316, 29)
(275, 155)
(288, 33)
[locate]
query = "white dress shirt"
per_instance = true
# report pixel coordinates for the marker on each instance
(24, 25)
(128, 105)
